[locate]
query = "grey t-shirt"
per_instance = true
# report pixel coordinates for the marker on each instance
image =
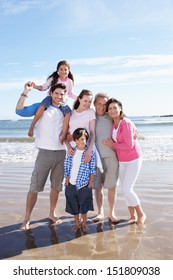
(103, 131)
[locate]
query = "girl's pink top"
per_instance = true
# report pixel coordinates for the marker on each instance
(126, 146)
(68, 83)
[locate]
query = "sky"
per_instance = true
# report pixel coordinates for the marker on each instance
(124, 48)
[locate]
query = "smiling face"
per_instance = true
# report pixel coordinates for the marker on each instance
(100, 105)
(114, 110)
(81, 142)
(85, 102)
(57, 96)
(63, 71)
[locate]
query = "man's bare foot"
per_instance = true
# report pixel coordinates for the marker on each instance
(141, 220)
(25, 226)
(55, 220)
(98, 218)
(85, 229)
(30, 132)
(113, 220)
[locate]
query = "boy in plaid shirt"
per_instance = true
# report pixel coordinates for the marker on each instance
(78, 180)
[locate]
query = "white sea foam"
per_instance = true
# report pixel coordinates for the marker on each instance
(17, 152)
(157, 148)
(155, 138)
(153, 149)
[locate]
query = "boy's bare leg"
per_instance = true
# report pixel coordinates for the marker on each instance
(37, 116)
(76, 225)
(54, 194)
(30, 203)
(84, 226)
(64, 128)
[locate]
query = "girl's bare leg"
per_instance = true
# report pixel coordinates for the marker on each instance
(37, 116)
(64, 128)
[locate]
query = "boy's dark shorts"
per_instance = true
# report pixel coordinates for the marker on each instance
(78, 201)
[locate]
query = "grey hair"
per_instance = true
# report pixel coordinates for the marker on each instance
(101, 94)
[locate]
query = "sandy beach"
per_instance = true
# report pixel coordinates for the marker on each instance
(103, 241)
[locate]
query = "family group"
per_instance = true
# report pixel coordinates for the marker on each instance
(84, 148)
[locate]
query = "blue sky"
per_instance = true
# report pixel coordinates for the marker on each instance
(124, 48)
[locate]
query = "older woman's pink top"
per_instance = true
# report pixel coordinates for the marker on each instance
(126, 146)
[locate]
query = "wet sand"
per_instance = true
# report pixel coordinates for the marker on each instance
(103, 241)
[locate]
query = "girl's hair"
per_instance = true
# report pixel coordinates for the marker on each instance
(55, 74)
(113, 100)
(79, 132)
(83, 92)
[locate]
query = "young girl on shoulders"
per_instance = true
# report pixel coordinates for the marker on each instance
(61, 75)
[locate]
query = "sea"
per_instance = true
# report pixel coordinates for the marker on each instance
(155, 134)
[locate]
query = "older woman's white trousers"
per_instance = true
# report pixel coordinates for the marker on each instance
(128, 173)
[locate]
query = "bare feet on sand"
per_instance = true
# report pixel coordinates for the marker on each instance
(25, 226)
(98, 218)
(55, 220)
(132, 219)
(75, 228)
(85, 229)
(141, 220)
(113, 220)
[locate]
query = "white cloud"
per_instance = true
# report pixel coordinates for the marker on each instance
(143, 77)
(18, 84)
(11, 85)
(110, 14)
(132, 77)
(126, 61)
(147, 60)
(11, 64)
(98, 14)
(103, 14)
(20, 6)
(114, 70)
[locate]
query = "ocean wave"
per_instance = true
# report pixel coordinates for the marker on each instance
(25, 152)
(156, 138)
(154, 123)
(17, 152)
(157, 120)
(16, 139)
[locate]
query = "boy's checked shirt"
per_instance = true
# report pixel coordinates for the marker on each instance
(84, 172)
